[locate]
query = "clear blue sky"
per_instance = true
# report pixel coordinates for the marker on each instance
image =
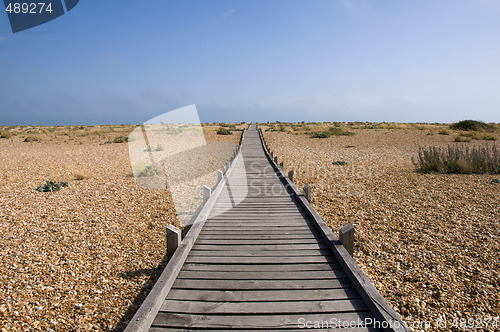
(255, 60)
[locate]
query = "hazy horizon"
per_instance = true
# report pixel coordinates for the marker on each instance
(286, 60)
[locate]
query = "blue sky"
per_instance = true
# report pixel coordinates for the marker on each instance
(255, 60)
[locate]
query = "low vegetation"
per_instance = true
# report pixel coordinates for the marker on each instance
(143, 169)
(5, 134)
(472, 125)
(332, 131)
(32, 138)
(121, 139)
(51, 186)
(224, 131)
(458, 159)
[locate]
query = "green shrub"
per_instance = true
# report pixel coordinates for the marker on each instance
(223, 131)
(339, 131)
(495, 181)
(339, 162)
(5, 134)
(458, 159)
(51, 186)
(463, 139)
(444, 132)
(321, 134)
(121, 139)
(489, 137)
(471, 125)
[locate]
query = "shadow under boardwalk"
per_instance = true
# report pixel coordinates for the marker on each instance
(260, 264)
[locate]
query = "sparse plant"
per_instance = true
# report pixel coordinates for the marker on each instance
(489, 137)
(5, 134)
(339, 131)
(458, 159)
(495, 180)
(321, 134)
(160, 147)
(444, 132)
(223, 131)
(121, 139)
(51, 186)
(32, 138)
(143, 169)
(339, 162)
(471, 125)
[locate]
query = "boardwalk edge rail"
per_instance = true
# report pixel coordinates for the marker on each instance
(146, 313)
(378, 305)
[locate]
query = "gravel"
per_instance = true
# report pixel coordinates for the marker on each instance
(82, 258)
(428, 242)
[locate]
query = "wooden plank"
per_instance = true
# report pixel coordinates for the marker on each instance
(266, 322)
(244, 275)
(260, 267)
(245, 236)
(355, 329)
(261, 284)
(265, 228)
(260, 260)
(289, 247)
(256, 295)
(257, 231)
(256, 308)
(259, 242)
(255, 253)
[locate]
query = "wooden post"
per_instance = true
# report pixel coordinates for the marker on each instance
(307, 192)
(276, 159)
(227, 167)
(207, 192)
(346, 236)
(281, 165)
(290, 175)
(173, 240)
(219, 176)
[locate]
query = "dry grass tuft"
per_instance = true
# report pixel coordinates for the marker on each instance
(458, 159)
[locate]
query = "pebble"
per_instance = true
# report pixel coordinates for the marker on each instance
(58, 250)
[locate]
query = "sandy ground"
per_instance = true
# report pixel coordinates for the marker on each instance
(82, 258)
(429, 242)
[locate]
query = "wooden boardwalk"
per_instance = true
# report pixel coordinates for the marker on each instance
(267, 263)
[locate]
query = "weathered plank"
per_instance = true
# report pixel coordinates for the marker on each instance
(263, 295)
(256, 322)
(253, 253)
(279, 275)
(289, 247)
(260, 284)
(255, 308)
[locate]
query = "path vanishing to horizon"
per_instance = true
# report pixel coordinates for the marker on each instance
(267, 263)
